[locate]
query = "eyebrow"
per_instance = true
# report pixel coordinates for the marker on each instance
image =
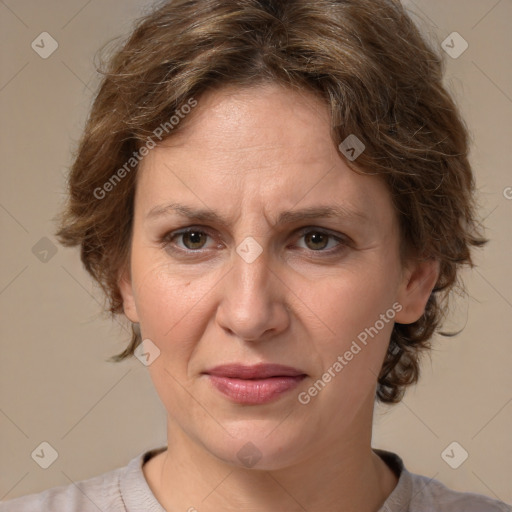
(286, 217)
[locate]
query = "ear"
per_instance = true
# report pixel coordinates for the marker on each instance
(419, 279)
(125, 287)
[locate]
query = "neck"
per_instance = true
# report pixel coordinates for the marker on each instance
(345, 476)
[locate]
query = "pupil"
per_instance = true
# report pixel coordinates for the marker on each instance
(194, 237)
(318, 238)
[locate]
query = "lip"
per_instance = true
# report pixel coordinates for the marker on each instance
(254, 385)
(257, 371)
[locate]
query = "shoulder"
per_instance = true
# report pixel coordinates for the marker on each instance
(101, 492)
(429, 492)
(418, 493)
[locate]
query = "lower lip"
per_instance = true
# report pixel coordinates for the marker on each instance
(255, 391)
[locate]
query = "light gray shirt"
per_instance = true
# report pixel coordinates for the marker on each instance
(126, 490)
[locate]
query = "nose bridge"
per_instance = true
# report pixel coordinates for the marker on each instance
(252, 303)
(252, 256)
(251, 274)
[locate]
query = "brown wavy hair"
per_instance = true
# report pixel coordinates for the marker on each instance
(365, 59)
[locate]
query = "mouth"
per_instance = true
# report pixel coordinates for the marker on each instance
(254, 385)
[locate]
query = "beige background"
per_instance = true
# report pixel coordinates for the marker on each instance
(54, 383)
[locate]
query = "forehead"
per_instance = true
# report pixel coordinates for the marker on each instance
(265, 118)
(266, 144)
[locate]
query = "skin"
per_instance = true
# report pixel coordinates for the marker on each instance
(249, 155)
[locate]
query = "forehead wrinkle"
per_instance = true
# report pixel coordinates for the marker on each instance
(283, 218)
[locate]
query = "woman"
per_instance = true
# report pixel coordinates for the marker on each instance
(277, 195)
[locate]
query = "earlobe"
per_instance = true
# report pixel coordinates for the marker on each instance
(419, 281)
(125, 287)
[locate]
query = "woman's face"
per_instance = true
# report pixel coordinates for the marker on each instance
(292, 259)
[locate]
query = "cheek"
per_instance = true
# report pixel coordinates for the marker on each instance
(348, 303)
(172, 312)
(171, 304)
(355, 313)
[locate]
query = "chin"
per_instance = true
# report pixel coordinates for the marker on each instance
(259, 445)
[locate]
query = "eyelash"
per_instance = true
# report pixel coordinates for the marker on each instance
(343, 241)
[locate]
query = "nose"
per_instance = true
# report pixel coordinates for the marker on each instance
(253, 304)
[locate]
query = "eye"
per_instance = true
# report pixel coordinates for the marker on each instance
(320, 241)
(195, 239)
(192, 239)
